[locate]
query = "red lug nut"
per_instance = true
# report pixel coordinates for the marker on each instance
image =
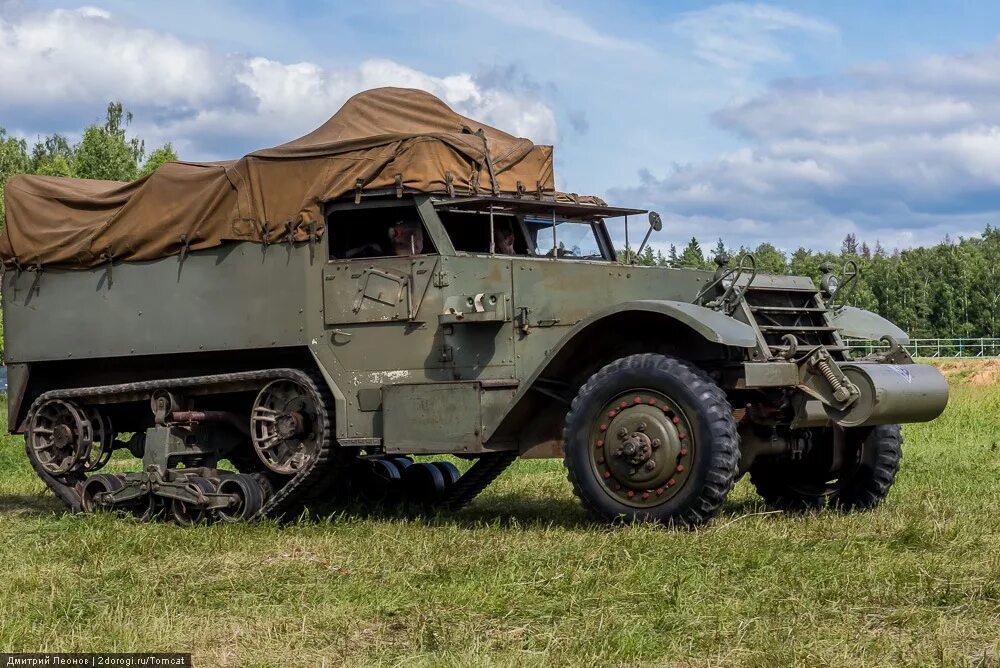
(675, 420)
(670, 483)
(607, 474)
(659, 491)
(680, 468)
(600, 444)
(684, 451)
(604, 427)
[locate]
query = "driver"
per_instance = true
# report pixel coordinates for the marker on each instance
(503, 238)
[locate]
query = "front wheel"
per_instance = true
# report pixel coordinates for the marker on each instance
(870, 462)
(651, 438)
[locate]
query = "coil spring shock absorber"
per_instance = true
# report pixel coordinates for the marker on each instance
(844, 390)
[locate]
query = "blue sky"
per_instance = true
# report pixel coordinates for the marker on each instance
(795, 123)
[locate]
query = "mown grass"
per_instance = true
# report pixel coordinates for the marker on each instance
(522, 577)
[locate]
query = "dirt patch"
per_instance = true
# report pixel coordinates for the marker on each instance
(970, 372)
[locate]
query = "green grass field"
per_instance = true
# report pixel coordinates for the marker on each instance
(522, 577)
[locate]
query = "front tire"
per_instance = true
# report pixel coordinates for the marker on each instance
(651, 438)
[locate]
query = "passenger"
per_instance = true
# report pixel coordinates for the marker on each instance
(503, 238)
(406, 237)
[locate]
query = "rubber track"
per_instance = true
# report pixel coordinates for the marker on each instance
(285, 499)
(486, 469)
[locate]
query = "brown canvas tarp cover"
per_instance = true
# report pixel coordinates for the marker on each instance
(374, 137)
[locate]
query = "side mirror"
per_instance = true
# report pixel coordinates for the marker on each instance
(655, 223)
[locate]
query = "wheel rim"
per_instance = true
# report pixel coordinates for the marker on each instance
(642, 448)
(285, 426)
(60, 436)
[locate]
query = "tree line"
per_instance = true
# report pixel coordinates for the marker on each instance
(948, 290)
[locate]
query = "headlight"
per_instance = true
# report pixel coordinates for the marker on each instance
(830, 284)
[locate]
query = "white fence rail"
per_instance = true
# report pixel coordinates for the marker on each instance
(982, 347)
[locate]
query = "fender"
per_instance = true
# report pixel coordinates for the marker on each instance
(858, 323)
(712, 326)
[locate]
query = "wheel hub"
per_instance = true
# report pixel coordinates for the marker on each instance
(642, 448)
(290, 425)
(62, 436)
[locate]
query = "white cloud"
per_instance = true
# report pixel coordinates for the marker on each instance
(203, 100)
(736, 35)
(890, 151)
(548, 17)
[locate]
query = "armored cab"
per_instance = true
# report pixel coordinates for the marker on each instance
(317, 321)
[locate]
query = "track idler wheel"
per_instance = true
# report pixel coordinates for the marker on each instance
(95, 490)
(247, 495)
(188, 514)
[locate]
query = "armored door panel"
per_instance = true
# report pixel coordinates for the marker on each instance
(382, 290)
(476, 318)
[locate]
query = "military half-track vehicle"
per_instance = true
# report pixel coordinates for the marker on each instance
(317, 321)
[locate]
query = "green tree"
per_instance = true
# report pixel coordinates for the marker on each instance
(770, 259)
(52, 156)
(692, 255)
(13, 160)
(105, 152)
(161, 155)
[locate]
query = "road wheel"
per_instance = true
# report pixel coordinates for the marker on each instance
(186, 514)
(94, 490)
(248, 497)
(871, 457)
(651, 438)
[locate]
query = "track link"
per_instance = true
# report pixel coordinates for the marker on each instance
(486, 469)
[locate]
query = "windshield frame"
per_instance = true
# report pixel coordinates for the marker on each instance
(541, 211)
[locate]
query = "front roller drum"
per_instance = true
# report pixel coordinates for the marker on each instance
(651, 438)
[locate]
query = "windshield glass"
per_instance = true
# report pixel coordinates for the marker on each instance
(572, 239)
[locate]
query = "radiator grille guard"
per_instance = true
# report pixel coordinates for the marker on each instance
(789, 320)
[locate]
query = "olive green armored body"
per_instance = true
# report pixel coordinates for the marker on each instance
(260, 376)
